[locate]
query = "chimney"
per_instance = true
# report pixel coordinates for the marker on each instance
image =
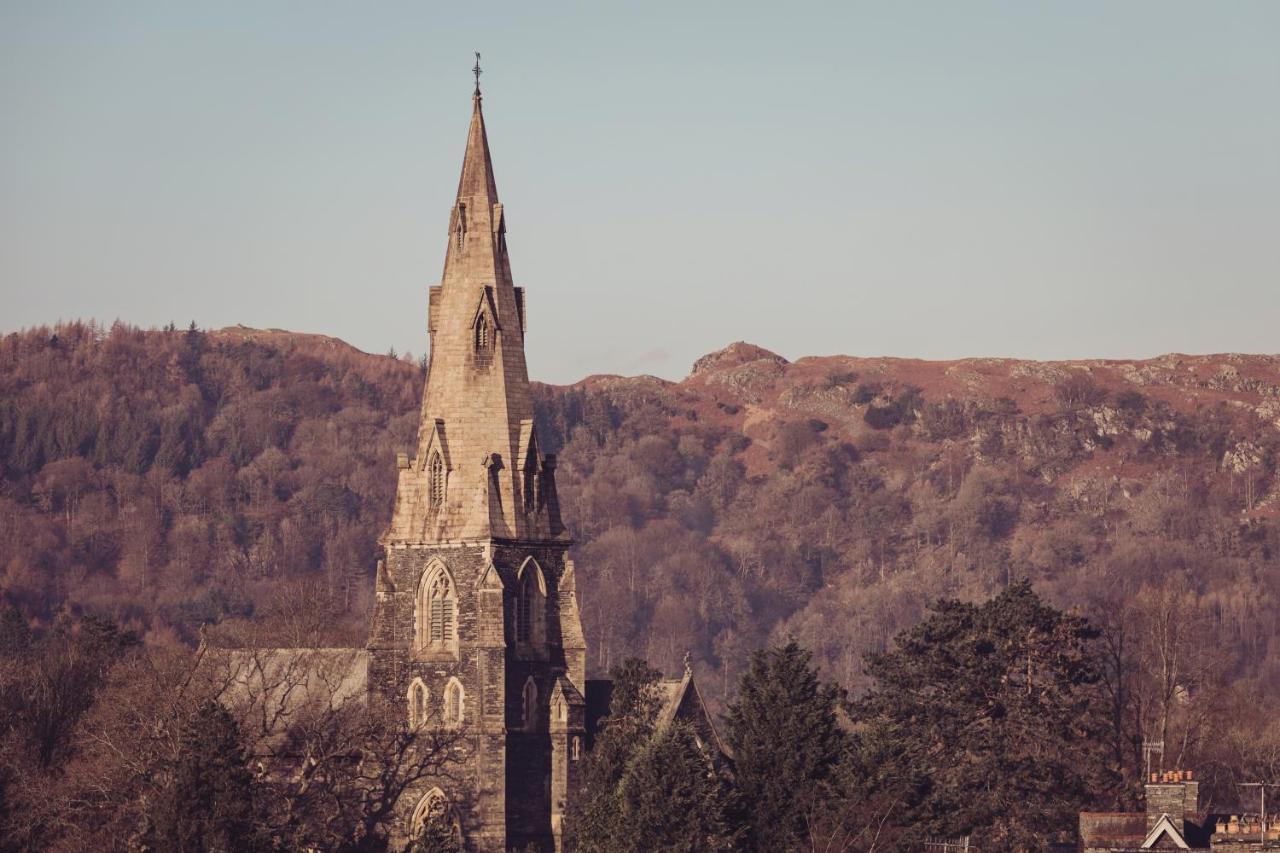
(1175, 794)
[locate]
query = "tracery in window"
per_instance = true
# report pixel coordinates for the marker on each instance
(482, 332)
(434, 809)
(417, 703)
(437, 610)
(454, 703)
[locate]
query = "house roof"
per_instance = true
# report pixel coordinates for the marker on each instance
(274, 686)
(683, 701)
(1164, 829)
(1113, 829)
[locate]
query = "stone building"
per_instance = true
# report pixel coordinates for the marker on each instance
(475, 624)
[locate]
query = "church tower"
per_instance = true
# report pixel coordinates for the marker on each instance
(476, 623)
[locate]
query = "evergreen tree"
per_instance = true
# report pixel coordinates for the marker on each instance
(208, 804)
(671, 798)
(593, 823)
(786, 742)
(986, 719)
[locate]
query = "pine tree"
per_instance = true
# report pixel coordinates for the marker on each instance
(786, 742)
(208, 804)
(671, 798)
(986, 719)
(593, 824)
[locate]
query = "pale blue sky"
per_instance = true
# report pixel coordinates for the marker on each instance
(938, 180)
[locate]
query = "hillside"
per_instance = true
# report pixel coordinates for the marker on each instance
(175, 478)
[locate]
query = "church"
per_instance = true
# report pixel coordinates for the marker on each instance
(475, 623)
(475, 631)
(475, 619)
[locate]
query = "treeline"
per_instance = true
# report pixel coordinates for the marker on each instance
(994, 720)
(110, 744)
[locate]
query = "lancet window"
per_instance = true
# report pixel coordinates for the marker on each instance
(530, 604)
(437, 610)
(530, 704)
(454, 703)
(418, 697)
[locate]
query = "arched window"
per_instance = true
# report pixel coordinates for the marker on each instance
(575, 748)
(559, 709)
(434, 809)
(417, 703)
(454, 703)
(437, 628)
(524, 616)
(530, 603)
(530, 708)
(435, 480)
(482, 332)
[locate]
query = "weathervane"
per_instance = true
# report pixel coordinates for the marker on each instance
(477, 72)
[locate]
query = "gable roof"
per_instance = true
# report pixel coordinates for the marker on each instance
(682, 701)
(276, 686)
(1165, 828)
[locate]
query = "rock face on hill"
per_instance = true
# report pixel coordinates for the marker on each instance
(735, 355)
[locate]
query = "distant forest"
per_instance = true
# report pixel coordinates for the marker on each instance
(172, 479)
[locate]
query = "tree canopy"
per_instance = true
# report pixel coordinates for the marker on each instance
(989, 718)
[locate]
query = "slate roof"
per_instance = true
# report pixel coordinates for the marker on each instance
(281, 683)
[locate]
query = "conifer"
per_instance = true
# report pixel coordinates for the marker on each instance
(786, 741)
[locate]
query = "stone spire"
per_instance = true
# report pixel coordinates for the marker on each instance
(479, 472)
(477, 166)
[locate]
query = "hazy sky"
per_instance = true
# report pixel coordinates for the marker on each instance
(938, 180)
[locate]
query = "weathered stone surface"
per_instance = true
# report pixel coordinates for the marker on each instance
(479, 500)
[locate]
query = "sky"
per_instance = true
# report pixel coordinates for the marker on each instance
(929, 179)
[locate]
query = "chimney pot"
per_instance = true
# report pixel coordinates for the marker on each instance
(1155, 777)
(1189, 776)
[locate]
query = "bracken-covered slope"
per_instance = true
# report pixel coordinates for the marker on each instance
(837, 495)
(172, 479)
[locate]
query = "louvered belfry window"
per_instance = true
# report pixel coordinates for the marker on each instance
(440, 630)
(436, 616)
(435, 481)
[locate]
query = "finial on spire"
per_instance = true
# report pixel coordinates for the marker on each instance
(476, 71)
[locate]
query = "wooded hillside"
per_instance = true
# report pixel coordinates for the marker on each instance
(169, 479)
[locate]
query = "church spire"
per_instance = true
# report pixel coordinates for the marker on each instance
(479, 472)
